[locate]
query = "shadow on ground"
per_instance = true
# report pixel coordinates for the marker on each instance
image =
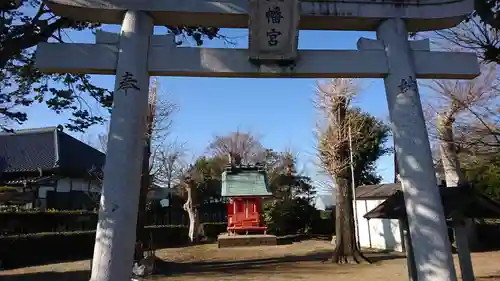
(82, 275)
(288, 265)
(166, 268)
(488, 278)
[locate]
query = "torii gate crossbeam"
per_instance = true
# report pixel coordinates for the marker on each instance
(167, 59)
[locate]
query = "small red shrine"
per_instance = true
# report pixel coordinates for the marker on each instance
(246, 186)
(243, 215)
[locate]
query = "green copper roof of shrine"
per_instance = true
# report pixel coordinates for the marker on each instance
(242, 182)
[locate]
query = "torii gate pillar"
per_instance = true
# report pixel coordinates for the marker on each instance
(422, 199)
(114, 247)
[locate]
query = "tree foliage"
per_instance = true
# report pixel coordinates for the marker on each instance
(289, 216)
(367, 149)
(488, 11)
(291, 210)
(484, 174)
(479, 33)
(24, 24)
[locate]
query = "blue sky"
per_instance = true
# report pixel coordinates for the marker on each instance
(279, 110)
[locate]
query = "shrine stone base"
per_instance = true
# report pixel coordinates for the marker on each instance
(228, 241)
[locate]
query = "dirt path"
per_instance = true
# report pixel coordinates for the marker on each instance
(298, 261)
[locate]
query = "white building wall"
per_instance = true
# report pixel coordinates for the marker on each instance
(382, 234)
(68, 184)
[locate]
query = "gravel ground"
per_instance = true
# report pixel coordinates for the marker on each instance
(299, 261)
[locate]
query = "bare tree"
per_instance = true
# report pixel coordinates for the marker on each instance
(102, 139)
(159, 133)
(158, 125)
(462, 117)
(195, 181)
(95, 189)
(458, 105)
(333, 100)
(244, 144)
(171, 165)
(162, 124)
(191, 188)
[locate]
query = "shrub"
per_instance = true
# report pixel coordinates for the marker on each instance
(324, 223)
(32, 249)
(164, 236)
(7, 189)
(487, 235)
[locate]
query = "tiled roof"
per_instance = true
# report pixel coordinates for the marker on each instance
(377, 191)
(45, 149)
(244, 183)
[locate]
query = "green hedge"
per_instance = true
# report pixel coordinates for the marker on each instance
(31, 249)
(51, 221)
(25, 222)
(7, 189)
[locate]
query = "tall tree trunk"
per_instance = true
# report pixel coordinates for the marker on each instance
(448, 150)
(192, 209)
(464, 228)
(141, 235)
(346, 248)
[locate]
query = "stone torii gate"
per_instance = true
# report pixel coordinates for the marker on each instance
(136, 54)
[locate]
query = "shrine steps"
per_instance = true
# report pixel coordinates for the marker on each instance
(228, 241)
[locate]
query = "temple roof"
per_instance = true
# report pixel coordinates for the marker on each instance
(245, 181)
(46, 149)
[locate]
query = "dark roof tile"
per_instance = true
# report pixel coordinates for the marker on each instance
(75, 155)
(46, 148)
(27, 150)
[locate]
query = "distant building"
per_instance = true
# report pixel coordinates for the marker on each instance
(381, 209)
(58, 170)
(383, 234)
